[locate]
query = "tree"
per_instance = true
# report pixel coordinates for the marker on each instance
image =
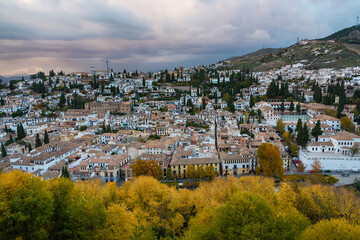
(298, 126)
(287, 136)
(316, 166)
(11, 140)
(354, 150)
(210, 172)
(203, 103)
(270, 161)
(347, 124)
(20, 132)
(190, 172)
(302, 137)
(294, 149)
(82, 128)
(298, 108)
(120, 223)
(62, 101)
(38, 141)
(27, 208)
(282, 107)
(169, 175)
(147, 168)
(291, 106)
(332, 229)
(29, 147)
(46, 138)
(280, 126)
(316, 131)
(3, 151)
(301, 167)
(252, 101)
(201, 172)
(65, 172)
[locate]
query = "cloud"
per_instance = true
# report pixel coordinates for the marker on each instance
(259, 35)
(75, 34)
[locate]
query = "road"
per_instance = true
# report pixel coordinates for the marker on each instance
(342, 180)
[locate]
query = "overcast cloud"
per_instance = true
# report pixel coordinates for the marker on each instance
(74, 35)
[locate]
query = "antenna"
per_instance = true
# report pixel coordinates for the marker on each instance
(107, 66)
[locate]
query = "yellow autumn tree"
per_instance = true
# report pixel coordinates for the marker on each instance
(270, 162)
(120, 223)
(334, 229)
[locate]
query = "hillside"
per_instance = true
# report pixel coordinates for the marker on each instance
(349, 35)
(339, 50)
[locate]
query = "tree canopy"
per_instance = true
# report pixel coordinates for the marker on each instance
(231, 208)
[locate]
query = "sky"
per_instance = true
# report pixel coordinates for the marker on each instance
(149, 35)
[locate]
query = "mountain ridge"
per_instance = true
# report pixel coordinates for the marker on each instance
(338, 50)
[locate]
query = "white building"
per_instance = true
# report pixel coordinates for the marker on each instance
(332, 151)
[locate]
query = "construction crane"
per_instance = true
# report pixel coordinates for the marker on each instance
(107, 66)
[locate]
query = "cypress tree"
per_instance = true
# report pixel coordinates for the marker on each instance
(62, 101)
(282, 107)
(316, 131)
(298, 109)
(291, 106)
(65, 172)
(38, 141)
(252, 101)
(3, 151)
(305, 135)
(11, 140)
(29, 147)
(18, 132)
(46, 138)
(298, 126)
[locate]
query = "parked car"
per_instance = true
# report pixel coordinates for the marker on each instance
(345, 174)
(339, 171)
(355, 170)
(311, 171)
(327, 171)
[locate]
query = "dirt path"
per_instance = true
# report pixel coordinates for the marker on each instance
(352, 48)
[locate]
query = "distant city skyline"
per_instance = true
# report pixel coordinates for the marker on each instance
(73, 35)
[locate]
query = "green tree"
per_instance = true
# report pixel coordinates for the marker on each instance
(3, 151)
(64, 172)
(316, 131)
(29, 147)
(291, 106)
(298, 108)
(38, 141)
(11, 140)
(169, 175)
(298, 126)
(62, 101)
(282, 107)
(252, 101)
(82, 128)
(46, 138)
(270, 161)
